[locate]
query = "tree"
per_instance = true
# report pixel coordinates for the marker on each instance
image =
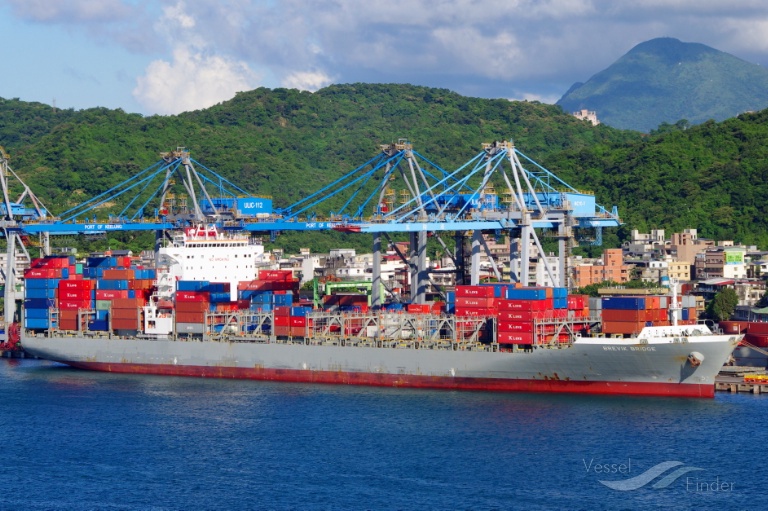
(723, 304)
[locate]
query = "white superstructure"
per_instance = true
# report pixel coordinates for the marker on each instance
(204, 253)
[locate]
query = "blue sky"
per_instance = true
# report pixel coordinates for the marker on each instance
(169, 56)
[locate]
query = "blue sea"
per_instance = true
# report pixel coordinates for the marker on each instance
(77, 440)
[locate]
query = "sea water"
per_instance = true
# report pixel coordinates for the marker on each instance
(78, 440)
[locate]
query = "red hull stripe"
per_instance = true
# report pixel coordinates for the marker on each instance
(413, 381)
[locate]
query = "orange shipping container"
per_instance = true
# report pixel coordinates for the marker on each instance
(118, 274)
(189, 317)
(623, 327)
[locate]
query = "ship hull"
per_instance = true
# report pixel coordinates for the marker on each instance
(594, 367)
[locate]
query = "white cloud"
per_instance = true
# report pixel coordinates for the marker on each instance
(192, 81)
(68, 11)
(307, 80)
(197, 77)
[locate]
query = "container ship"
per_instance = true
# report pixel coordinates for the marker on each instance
(206, 310)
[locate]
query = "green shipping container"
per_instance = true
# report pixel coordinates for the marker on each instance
(103, 305)
(78, 268)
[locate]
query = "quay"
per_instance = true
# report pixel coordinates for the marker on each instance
(742, 379)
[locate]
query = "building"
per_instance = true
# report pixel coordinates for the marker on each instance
(610, 267)
(587, 115)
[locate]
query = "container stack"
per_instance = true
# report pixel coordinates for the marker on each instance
(475, 301)
(519, 311)
(688, 314)
(627, 315)
(84, 294)
(41, 290)
(192, 304)
(298, 321)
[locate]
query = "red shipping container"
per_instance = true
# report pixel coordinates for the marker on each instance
(515, 338)
(298, 321)
(50, 262)
(275, 275)
(626, 315)
(622, 327)
(75, 294)
(298, 331)
(525, 305)
(128, 303)
(68, 314)
(189, 317)
(282, 331)
(193, 296)
(110, 294)
(577, 302)
(118, 274)
(253, 285)
(474, 291)
(282, 310)
(124, 314)
(475, 302)
(520, 315)
(191, 307)
(43, 273)
(125, 324)
(74, 305)
(475, 311)
(282, 321)
(77, 284)
(515, 326)
(418, 308)
(67, 324)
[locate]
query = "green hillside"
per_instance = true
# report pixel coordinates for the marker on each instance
(267, 141)
(287, 143)
(665, 80)
(713, 177)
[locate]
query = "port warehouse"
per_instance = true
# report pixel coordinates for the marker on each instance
(108, 295)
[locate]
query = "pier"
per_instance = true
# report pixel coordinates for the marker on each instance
(742, 379)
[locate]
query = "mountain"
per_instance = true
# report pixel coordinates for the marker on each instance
(286, 143)
(664, 81)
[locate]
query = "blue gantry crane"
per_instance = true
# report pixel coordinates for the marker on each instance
(398, 190)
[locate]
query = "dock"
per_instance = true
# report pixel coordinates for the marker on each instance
(742, 379)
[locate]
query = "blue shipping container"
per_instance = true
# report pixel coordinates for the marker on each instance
(48, 294)
(284, 300)
(300, 311)
(37, 303)
(35, 323)
(100, 325)
(191, 285)
(623, 303)
(112, 285)
(36, 313)
(41, 283)
(526, 293)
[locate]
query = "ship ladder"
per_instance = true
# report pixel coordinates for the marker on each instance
(752, 346)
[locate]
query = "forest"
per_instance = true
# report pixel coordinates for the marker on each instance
(286, 143)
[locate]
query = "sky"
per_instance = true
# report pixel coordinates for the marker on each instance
(170, 56)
